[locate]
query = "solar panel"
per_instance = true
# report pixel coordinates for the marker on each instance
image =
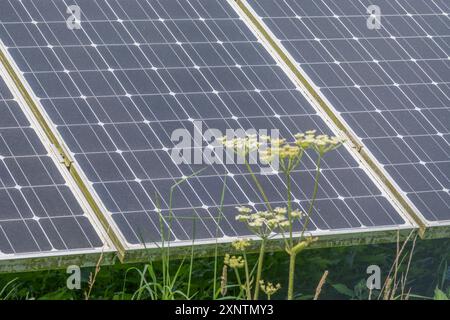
(39, 214)
(118, 87)
(390, 84)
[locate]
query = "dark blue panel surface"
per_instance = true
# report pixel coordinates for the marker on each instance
(138, 70)
(38, 211)
(391, 85)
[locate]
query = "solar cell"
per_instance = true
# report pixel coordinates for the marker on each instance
(390, 84)
(137, 70)
(39, 214)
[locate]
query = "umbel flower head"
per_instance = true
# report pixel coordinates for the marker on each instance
(290, 154)
(241, 244)
(269, 288)
(241, 145)
(264, 223)
(282, 152)
(305, 140)
(324, 144)
(280, 149)
(234, 262)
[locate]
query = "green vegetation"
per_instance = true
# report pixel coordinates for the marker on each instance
(346, 279)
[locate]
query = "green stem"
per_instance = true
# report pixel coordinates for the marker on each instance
(289, 207)
(216, 251)
(260, 266)
(238, 278)
(314, 196)
(247, 278)
(292, 258)
(293, 252)
(191, 267)
(258, 185)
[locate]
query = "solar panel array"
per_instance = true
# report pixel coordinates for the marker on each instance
(39, 214)
(136, 71)
(391, 85)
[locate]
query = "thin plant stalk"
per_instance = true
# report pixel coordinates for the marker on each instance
(292, 258)
(409, 265)
(314, 196)
(260, 267)
(93, 277)
(289, 208)
(258, 185)
(191, 263)
(239, 281)
(247, 277)
(292, 250)
(320, 285)
(396, 263)
(263, 240)
(164, 289)
(216, 249)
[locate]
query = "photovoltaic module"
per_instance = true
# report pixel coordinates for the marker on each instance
(39, 213)
(389, 83)
(118, 86)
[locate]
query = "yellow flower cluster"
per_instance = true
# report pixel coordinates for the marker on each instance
(296, 214)
(241, 244)
(244, 210)
(242, 146)
(282, 150)
(264, 223)
(269, 220)
(305, 140)
(280, 211)
(269, 288)
(324, 143)
(234, 262)
(271, 149)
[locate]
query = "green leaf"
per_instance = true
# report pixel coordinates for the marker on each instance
(439, 295)
(343, 289)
